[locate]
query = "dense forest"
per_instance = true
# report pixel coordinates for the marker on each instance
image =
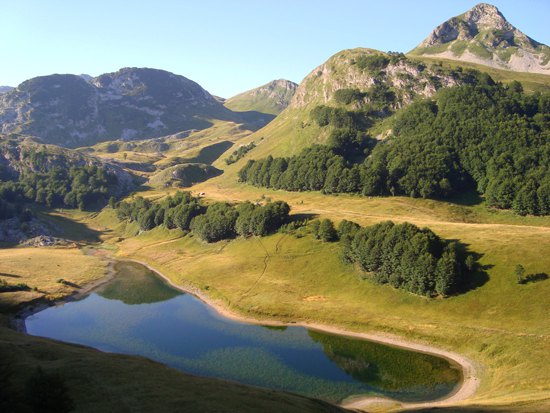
(405, 256)
(211, 223)
(81, 187)
(481, 135)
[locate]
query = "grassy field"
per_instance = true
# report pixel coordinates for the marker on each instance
(41, 268)
(501, 325)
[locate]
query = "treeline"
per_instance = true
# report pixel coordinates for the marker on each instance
(81, 187)
(211, 223)
(483, 136)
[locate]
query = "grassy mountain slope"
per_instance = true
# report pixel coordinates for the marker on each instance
(271, 98)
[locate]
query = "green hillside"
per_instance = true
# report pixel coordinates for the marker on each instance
(271, 98)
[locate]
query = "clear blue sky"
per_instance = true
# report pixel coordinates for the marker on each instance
(226, 46)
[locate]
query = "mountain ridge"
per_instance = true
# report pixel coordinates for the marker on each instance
(131, 103)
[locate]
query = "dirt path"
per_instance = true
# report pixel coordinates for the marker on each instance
(464, 390)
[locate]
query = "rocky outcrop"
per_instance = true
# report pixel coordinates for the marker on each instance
(483, 35)
(407, 78)
(71, 110)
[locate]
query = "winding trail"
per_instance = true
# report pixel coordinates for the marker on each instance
(464, 390)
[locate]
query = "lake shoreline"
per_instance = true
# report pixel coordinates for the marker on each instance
(465, 389)
(17, 320)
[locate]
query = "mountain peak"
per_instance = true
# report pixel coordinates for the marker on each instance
(485, 14)
(483, 35)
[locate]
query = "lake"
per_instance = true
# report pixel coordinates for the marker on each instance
(138, 313)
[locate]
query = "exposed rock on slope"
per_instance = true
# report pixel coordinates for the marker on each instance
(483, 35)
(271, 98)
(132, 103)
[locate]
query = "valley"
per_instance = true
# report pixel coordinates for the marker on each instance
(128, 193)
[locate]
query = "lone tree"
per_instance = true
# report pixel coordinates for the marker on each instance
(519, 273)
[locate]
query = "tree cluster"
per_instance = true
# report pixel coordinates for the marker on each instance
(173, 212)
(479, 136)
(404, 256)
(239, 153)
(81, 187)
(211, 223)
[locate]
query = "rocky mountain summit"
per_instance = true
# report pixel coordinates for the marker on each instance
(132, 103)
(483, 35)
(271, 98)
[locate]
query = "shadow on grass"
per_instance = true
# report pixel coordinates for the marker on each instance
(67, 228)
(466, 198)
(302, 217)
(475, 277)
(5, 274)
(532, 278)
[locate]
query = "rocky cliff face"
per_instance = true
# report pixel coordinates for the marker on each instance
(361, 69)
(483, 35)
(271, 98)
(132, 103)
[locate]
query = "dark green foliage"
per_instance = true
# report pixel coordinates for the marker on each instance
(217, 223)
(373, 63)
(481, 135)
(173, 212)
(326, 231)
(47, 393)
(347, 96)
(315, 168)
(261, 220)
(81, 187)
(340, 118)
(239, 153)
(349, 143)
(404, 256)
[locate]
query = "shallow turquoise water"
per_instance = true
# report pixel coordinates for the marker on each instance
(137, 313)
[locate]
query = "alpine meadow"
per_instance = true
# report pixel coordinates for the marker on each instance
(373, 238)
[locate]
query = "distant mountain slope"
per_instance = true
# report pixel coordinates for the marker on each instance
(4, 89)
(132, 103)
(483, 35)
(271, 98)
